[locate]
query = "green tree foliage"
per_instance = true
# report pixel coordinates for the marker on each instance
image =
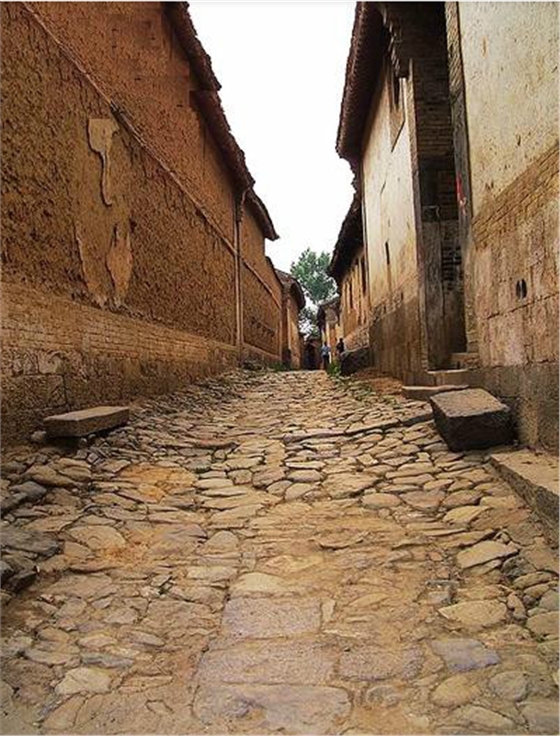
(311, 271)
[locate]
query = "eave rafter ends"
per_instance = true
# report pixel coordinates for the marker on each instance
(208, 101)
(350, 239)
(379, 30)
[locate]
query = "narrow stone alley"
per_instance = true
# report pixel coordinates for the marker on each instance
(274, 552)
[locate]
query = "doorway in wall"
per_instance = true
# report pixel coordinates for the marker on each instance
(424, 40)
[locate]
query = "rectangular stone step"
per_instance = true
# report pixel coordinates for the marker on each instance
(472, 419)
(86, 421)
(423, 393)
(535, 478)
(455, 377)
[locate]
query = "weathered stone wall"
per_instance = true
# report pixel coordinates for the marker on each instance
(390, 231)
(511, 243)
(117, 281)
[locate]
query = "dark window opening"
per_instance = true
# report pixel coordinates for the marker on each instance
(396, 91)
(387, 254)
(521, 289)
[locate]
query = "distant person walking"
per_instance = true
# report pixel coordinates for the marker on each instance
(340, 348)
(326, 355)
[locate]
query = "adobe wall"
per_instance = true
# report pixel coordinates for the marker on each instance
(293, 333)
(117, 281)
(354, 304)
(389, 218)
(262, 296)
(512, 262)
(131, 52)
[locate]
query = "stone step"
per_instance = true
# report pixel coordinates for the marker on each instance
(472, 419)
(535, 478)
(86, 421)
(455, 377)
(423, 393)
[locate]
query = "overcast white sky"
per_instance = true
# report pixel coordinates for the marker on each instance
(281, 66)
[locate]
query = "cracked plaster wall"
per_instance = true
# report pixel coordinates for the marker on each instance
(115, 283)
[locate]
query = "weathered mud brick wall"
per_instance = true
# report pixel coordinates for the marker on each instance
(262, 297)
(510, 195)
(117, 214)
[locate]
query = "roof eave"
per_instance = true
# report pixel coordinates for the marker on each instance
(209, 103)
(362, 71)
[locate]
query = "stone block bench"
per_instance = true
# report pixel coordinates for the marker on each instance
(472, 419)
(86, 421)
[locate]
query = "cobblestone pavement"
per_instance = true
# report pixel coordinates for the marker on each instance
(274, 553)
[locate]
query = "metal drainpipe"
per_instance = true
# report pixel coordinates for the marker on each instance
(239, 204)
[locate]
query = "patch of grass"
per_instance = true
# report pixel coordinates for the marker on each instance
(279, 368)
(334, 370)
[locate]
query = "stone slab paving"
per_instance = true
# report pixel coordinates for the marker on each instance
(273, 553)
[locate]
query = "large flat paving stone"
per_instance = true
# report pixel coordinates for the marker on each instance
(273, 662)
(86, 421)
(262, 618)
(372, 663)
(292, 709)
(462, 655)
(472, 419)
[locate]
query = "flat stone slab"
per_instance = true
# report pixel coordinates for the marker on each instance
(274, 662)
(273, 708)
(462, 655)
(472, 419)
(424, 393)
(534, 476)
(86, 421)
(262, 618)
(483, 552)
(476, 614)
(370, 663)
(28, 541)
